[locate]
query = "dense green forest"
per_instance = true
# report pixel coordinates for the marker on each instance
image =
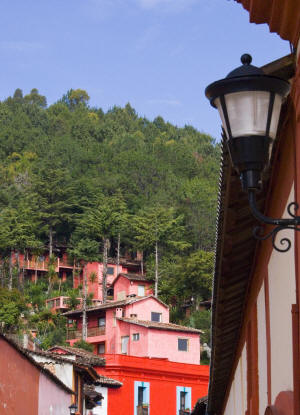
(75, 176)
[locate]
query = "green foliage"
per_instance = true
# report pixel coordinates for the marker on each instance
(75, 176)
(81, 344)
(12, 304)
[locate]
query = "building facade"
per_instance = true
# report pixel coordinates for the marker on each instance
(28, 388)
(255, 324)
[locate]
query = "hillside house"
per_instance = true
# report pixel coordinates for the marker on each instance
(137, 326)
(255, 311)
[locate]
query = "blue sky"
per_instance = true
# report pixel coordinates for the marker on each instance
(159, 55)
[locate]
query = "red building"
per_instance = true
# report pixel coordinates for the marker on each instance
(150, 385)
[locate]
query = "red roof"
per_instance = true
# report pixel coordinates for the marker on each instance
(282, 16)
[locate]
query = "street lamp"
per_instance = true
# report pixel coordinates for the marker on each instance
(249, 104)
(73, 408)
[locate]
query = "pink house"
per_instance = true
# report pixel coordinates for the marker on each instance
(136, 326)
(94, 272)
(131, 285)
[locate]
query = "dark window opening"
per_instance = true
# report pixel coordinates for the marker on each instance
(183, 345)
(110, 271)
(141, 391)
(155, 316)
(101, 348)
(182, 400)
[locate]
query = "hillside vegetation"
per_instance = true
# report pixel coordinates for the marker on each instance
(75, 176)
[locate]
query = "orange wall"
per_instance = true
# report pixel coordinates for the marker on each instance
(19, 382)
(163, 377)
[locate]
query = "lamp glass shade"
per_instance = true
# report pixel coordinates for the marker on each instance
(248, 113)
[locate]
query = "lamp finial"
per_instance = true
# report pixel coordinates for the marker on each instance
(246, 59)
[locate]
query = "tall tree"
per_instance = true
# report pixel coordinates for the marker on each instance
(157, 227)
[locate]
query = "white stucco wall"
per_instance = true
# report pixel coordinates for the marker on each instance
(262, 351)
(62, 370)
(281, 269)
(237, 401)
(101, 410)
(53, 399)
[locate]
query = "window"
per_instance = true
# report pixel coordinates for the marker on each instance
(183, 398)
(110, 271)
(155, 316)
(141, 396)
(101, 348)
(136, 337)
(183, 345)
(124, 344)
(133, 315)
(141, 290)
(101, 322)
(141, 390)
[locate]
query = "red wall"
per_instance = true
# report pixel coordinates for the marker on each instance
(19, 382)
(163, 377)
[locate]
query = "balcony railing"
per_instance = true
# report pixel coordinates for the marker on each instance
(61, 303)
(142, 410)
(91, 332)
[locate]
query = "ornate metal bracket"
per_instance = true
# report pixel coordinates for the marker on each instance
(280, 224)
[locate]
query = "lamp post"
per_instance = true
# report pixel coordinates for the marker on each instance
(249, 104)
(73, 408)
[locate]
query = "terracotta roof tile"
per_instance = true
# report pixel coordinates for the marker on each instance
(133, 277)
(113, 304)
(160, 326)
(84, 356)
(103, 380)
(281, 16)
(40, 367)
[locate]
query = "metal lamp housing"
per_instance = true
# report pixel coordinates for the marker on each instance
(249, 103)
(73, 408)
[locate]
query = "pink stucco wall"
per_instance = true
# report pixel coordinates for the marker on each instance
(121, 288)
(160, 343)
(129, 287)
(163, 343)
(52, 398)
(144, 308)
(96, 286)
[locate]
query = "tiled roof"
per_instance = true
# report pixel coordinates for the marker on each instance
(80, 363)
(83, 355)
(281, 16)
(40, 367)
(160, 326)
(103, 380)
(113, 304)
(133, 277)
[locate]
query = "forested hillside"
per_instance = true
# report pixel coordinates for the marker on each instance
(75, 176)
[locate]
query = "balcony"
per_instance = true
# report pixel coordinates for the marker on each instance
(36, 263)
(60, 303)
(142, 409)
(91, 332)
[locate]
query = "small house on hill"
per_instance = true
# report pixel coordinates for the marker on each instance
(136, 326)
(131, 285)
